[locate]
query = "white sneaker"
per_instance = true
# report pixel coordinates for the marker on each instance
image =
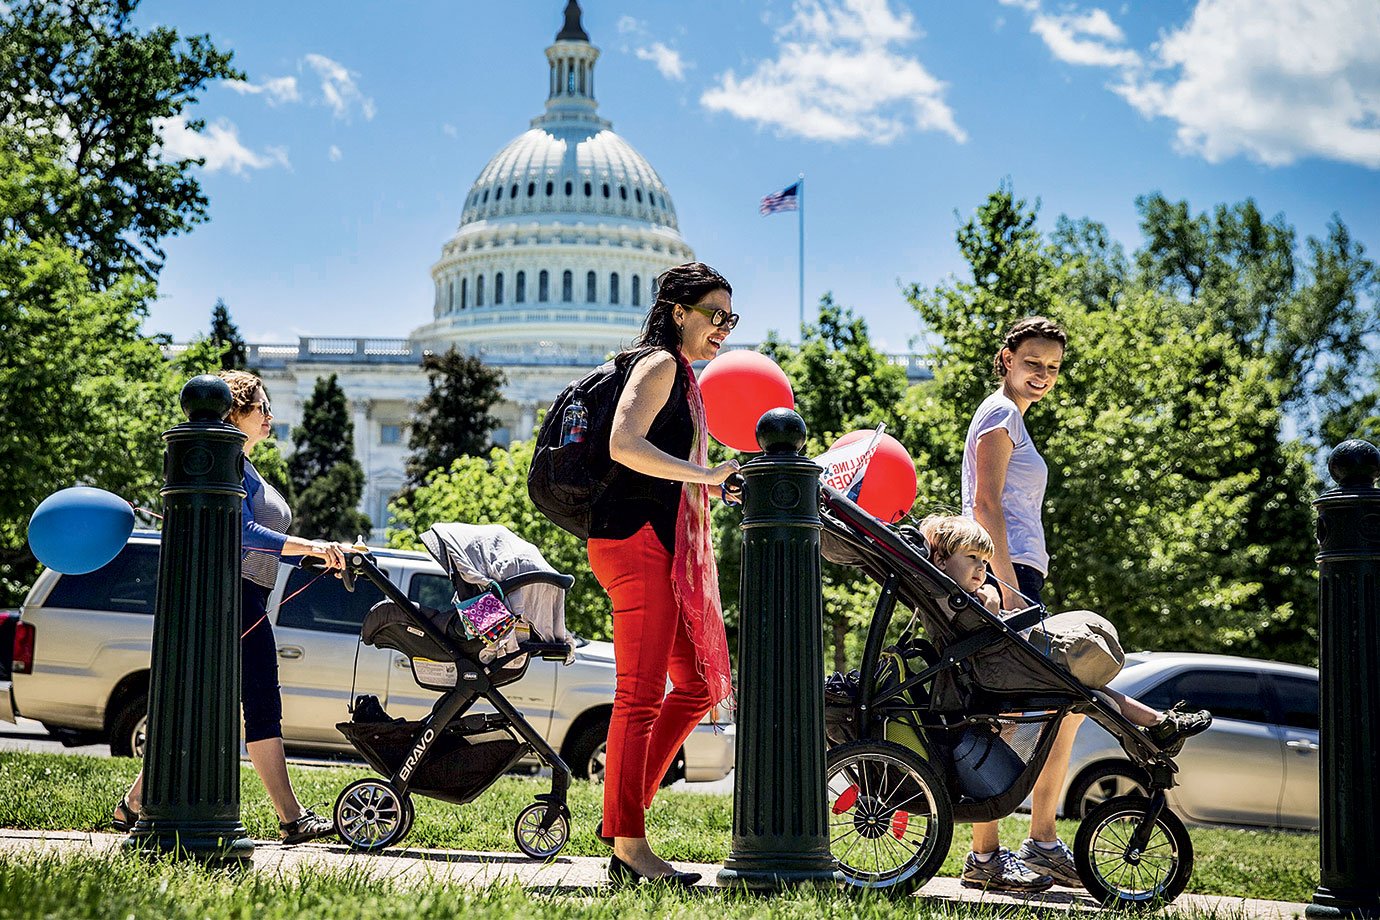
(1056, 862)
(1003, 872)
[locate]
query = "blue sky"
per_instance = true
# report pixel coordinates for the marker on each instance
(337, 172)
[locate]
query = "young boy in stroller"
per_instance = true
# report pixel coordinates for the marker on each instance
(962, 549)
(954, 719)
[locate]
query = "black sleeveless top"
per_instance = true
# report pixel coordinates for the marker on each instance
(633, 499)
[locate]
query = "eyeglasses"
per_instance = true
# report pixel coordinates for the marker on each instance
(717, 315)
(263, 406)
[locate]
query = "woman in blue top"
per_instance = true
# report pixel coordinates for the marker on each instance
(264, 541)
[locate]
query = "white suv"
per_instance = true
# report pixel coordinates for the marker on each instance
(84, 648)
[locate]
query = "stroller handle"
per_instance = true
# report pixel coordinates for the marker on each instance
(564, 582)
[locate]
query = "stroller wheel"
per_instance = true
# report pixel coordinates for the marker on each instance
(890, 822)
(370, 814)
(1156, 875)
(532, 839)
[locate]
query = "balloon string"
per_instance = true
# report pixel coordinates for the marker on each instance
(146, 511)
(282, 603)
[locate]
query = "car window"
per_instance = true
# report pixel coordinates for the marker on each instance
(128, 584)
(315, 601)
(433, 591)
(1227, 694)
(1298, 701)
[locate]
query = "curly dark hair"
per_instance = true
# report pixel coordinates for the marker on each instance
(1032, 327)
(683, 284)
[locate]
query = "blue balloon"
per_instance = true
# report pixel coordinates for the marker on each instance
(79, 530)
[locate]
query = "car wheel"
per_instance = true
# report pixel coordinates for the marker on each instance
(589, 750)
(1102, 784)
(589, 754)
(130, 727)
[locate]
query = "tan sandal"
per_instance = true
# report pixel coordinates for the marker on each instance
(125, 817)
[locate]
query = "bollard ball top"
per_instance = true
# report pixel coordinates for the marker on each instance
(1355, 464)
(206, 398)
(781, 431)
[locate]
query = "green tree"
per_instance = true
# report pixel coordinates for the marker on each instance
(493, 490)
(326, 477)
(224, 333)
(453, 419)
(79, 71)
(84, 395)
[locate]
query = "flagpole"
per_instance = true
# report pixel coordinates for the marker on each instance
(800, 199)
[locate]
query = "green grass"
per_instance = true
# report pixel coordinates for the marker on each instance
(65, 792)
(123, 886)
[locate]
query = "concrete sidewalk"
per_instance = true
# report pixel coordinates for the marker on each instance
(576, 874)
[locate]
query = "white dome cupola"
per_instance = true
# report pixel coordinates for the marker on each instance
(561, 234)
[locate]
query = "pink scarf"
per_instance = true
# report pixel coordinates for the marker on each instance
(694, 574)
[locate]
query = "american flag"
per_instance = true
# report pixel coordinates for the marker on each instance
(788, 199)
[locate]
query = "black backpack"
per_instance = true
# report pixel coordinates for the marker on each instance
(567, 479)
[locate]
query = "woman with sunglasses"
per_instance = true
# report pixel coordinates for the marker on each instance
(651, 549)
(264, 541)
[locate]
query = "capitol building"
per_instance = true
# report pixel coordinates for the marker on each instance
(552, 268)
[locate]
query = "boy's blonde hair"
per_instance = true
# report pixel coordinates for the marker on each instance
(949, 534)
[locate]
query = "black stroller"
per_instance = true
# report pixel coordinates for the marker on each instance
(451, 755)
(930, 731)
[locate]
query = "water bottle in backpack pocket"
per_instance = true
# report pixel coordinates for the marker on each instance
(574, 423)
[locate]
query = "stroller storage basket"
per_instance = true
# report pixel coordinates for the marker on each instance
(455, 768)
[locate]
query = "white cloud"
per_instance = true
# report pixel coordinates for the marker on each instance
(629, 25)
(219, 145)
(334, 154)
(276, 90)
(667, 60)
(1089, 38)
(450, 130)
(838, 76)
(1274, 80)
(338, 87)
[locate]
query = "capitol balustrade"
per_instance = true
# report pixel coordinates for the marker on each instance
(374, 351)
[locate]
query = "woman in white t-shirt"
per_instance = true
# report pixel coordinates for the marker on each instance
(1004, 480)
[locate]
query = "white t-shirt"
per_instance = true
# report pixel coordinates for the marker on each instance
(1023, 496)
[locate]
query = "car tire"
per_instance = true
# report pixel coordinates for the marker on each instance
(129, 728)
(1101, 784)
(588, 753)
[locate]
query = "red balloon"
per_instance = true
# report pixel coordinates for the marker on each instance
(738, 388)
(888, 486)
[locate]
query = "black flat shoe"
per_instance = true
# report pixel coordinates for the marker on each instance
(124, 818)
(620, 873)
(599, 832)
(310, 826)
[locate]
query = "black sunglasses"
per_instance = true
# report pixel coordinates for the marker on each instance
(717, 315)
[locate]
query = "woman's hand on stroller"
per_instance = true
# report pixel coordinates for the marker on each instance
(731, 489)
(331, 553)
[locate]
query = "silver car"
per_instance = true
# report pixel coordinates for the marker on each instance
(1258, 763)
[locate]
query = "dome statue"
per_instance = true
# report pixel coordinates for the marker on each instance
(561, 235)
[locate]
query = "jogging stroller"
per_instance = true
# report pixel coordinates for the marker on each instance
(952, 722)
(453, 754)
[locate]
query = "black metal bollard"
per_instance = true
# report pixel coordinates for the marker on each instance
(191, 756)
(780, 818)
(1349, 627)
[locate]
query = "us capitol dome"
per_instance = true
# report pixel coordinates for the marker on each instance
(561, 236)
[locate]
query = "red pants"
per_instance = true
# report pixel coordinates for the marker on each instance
(650, 642)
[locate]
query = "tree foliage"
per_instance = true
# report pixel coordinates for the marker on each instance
(326, 478)
(453, 419)
(226, 335)
(77, 72)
